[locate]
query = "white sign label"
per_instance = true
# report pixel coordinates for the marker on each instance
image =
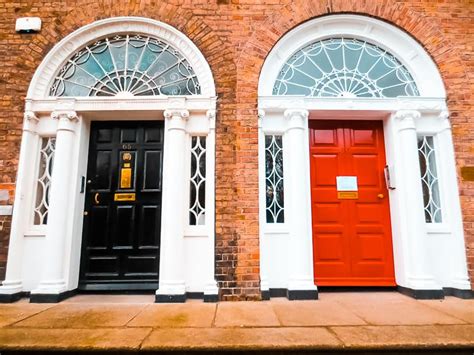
(346, 183)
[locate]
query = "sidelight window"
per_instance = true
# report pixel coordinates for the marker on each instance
(429, 179)
(197, 199)
(344, 67)
(274, 179)
(43, 184)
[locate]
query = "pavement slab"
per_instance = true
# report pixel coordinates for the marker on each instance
(303, 313)
(72, 339)
(392, 309)
(459, 308)
(245, 314)
(72, 315)
(175, 315)
(240, 339)
(12, 313)
(396, 337)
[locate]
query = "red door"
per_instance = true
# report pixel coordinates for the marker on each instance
(352, 241)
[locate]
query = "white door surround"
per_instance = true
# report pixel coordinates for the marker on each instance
(44, 259)
(429, 258)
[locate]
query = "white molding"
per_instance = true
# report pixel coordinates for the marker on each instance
(55, 59)
(410, 53)
(282, 103)
(138, 104)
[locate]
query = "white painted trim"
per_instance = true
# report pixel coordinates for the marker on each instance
(55, 59)
(410, 53)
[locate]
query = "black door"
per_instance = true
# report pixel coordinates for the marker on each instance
(122, 222)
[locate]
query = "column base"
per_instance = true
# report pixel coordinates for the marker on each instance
(211, 298)
(170, 298)
(459, 293)
(11, 291)
(51, 297)
(421, 294)
(294, 295)
(12, 297)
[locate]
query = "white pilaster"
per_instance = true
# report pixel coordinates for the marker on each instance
(452, 210)
(20, 219)
(172, 261)
(210, 288)
(264, 249)
(414, 232)
(52, 279)
(297, 202)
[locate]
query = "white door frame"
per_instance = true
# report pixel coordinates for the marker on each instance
(44, 260)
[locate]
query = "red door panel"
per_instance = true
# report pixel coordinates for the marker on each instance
(352, 242)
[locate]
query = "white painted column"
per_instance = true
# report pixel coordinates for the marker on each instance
(210, 289)
(22, 205)
(297, 203)
(172, 261)
(52, 280)
(413, 217)
(452, 209)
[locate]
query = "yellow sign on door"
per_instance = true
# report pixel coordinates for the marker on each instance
(126, 178)
(124, 197)
(347, 195)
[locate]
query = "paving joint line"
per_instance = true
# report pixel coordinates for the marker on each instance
(30, 316)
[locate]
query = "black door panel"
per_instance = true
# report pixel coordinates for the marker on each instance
(122, 225)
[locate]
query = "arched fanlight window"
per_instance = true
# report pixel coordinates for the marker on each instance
(344, 67)
(126, 65)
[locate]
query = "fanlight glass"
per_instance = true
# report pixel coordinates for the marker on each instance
(127, 65)
(344, 67)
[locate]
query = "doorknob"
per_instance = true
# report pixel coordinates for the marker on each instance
(96, 198)
(380, 196)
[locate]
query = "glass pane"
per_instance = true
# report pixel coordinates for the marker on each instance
(43, 181)
(344, 67)
(274, 179)
(197, 195)
(429, 179)
(131, 65)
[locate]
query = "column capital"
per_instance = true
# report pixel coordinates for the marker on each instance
(296, 118)
(407, 118)
(444, 117)
(261, 116)
(30, 120)
(69, 115)
(211, 116)
(298, 112)
(176, 113)
(66, 120)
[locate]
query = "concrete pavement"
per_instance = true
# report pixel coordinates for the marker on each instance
(338, 321)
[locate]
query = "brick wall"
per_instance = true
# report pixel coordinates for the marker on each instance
(235, 36)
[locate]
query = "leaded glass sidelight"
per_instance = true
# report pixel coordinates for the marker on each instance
(274, 179)
(429, 179)
(128, 65)
(43, 182)
(197, 199)
(344, 67)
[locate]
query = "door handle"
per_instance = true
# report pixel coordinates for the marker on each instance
(96, 198)
(380, 196)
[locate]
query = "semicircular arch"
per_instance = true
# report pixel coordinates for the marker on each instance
(56, 59)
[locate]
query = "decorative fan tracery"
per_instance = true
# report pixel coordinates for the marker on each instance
(344, 67)
(126, 65)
